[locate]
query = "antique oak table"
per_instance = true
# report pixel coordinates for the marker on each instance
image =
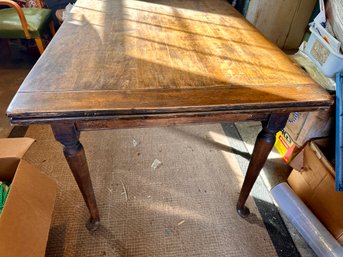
(125, 63)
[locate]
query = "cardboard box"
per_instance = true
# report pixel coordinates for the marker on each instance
(304, 126)
(26, 217)
(313, 180)
(300, 128)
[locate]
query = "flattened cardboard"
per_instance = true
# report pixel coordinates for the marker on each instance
(314, 183)
(26, 217)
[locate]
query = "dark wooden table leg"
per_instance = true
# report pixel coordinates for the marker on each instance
(68, 135)
(263, 145)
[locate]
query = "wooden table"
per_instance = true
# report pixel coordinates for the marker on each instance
(123, 64)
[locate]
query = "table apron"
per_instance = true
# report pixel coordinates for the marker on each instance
(169, 120)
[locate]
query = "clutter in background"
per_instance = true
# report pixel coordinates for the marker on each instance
(314, 173)
(311, 204)
(321, 58)
(323, 47)
(303, 128)
(312, 230)
(313, 180)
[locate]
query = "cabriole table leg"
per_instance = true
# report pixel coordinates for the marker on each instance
(263, 145)
(68, 135)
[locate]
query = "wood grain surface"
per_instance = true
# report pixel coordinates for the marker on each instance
(125, 56)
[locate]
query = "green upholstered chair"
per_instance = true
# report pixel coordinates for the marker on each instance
(29, 23)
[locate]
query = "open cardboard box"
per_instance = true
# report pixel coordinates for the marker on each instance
(303, 127)
(313, 180)
(26, 217)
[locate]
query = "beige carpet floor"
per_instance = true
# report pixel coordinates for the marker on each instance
(184, 207)
(10, 80)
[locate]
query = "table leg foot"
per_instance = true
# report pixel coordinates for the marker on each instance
(264, 144)
(243, 211)
(68, 135)
(92, 224)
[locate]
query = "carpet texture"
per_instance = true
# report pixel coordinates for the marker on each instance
(184, 207)
(10, 80)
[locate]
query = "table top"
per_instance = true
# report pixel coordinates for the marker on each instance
(160, 56)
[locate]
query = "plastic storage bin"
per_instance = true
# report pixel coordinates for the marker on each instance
(324, 52)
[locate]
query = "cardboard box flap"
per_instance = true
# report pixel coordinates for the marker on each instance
(26, 216)
(314, 183)
(315, 167)
(14, 147)
(322, 158)
(298, 161)
(316, 146)
(11, 151)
